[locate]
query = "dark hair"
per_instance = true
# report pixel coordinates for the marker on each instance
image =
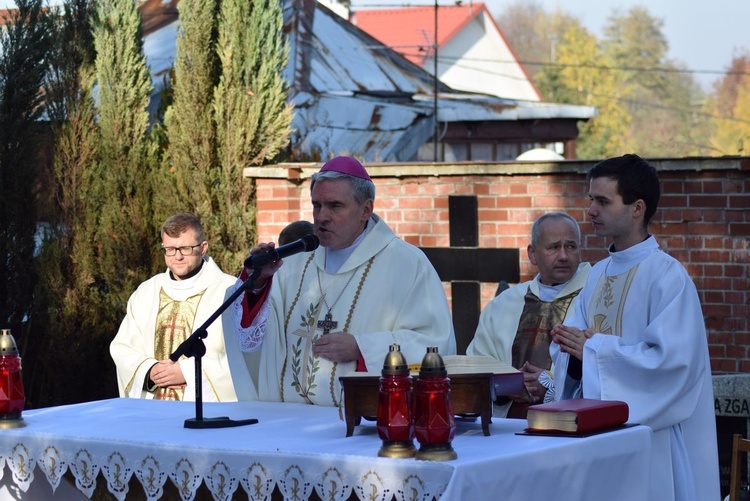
(636, 179)
(295, 230)
(179, 223)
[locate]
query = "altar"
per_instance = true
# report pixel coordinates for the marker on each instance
(302, 449)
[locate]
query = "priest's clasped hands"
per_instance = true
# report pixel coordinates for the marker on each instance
(167, 374)
(570, 339)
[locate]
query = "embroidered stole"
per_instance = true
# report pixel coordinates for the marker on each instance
(608, 302)
(304, 366)
(174, 324)
(533, 334)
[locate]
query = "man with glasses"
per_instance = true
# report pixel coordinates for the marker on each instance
(164, 311)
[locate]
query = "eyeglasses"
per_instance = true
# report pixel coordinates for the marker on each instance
(185, 250)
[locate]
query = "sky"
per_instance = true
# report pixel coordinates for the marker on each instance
(702, 34)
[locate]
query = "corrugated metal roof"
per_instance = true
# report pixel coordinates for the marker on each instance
(353, 96)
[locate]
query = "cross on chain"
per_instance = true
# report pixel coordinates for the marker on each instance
(327, 323)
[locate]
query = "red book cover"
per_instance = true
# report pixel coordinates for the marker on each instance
(577, 415)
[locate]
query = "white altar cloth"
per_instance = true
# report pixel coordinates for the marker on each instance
(301, 449)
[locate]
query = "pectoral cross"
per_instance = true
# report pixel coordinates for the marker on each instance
(327, 323)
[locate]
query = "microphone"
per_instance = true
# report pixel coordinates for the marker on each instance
(305, 244)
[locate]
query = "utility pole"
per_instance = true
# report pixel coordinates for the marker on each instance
(435, 86)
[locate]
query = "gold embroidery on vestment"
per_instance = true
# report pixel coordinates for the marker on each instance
(532, 340)
(174, 324)
(606, 314)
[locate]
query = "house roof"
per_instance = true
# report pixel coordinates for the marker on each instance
(411, 30)
(353, 96)
(473, 54)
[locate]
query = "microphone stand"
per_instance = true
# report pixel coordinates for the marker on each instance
(194, 347)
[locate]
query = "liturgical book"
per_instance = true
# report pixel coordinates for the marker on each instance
(577, 415)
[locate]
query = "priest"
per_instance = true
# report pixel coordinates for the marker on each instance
(317, 316)
(163, 312)
(638, 335)
(515, 326)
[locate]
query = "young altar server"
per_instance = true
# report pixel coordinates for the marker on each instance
(638, 335)
(327, 313)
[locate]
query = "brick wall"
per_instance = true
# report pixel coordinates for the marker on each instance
(702, 220)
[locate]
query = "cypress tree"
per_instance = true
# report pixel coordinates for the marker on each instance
(70, 329)
(23, 44)
(123, 221)
(252, 119)
(189, 120)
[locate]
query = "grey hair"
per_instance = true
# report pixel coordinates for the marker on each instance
(362, 189)
(536, 228)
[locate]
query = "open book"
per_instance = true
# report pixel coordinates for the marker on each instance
(506, 379)
(577, 415)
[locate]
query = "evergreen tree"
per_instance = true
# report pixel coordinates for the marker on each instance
(252, 119)
(24, 41)
(122, 193)
(70, 329)
(189, 120)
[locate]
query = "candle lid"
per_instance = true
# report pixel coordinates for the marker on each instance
(7, 343)
(395, 363)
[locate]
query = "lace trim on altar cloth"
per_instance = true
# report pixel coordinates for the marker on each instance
(295, 479)
(251, 337)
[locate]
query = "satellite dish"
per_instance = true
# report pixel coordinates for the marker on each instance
(539, 154)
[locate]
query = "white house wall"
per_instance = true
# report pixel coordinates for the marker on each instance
(477, 59)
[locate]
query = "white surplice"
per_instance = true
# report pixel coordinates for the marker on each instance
(386, 292)
(132, 349)
(650, 350)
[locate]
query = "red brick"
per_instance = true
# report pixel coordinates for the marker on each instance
(736, 351)
(698, 228)
(707, 201)
(739, 229)
(673, 201)
(481, 189)
(723, 365)
(691, 215)
(716, 351)
(672, 186)
(739, 201)
(523, 202)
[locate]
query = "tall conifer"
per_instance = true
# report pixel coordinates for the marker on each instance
(24, 42)
(252, 118)
(124, 240)
(72, 331)
(189, 121)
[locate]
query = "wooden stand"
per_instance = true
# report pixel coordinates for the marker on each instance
(471, 394)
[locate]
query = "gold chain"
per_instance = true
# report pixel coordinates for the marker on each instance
(323, 295)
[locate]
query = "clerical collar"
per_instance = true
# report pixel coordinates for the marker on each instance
(188, 283)
(337, 257)
(612, 245)
(548, 293)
